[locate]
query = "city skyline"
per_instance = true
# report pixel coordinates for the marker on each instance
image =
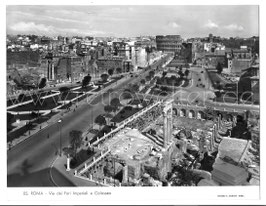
(188, 21)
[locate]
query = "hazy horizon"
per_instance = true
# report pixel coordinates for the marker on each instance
(132, 21)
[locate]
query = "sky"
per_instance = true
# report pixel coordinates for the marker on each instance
(130, 21)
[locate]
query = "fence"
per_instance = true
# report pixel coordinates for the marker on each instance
(90, 162)
(126, 121)
(106, 181)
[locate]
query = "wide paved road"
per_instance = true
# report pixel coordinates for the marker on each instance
(28, 163)
(189, 94)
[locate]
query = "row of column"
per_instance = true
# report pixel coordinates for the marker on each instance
(189, 114)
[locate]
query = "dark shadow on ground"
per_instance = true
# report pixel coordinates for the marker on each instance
(38, 179)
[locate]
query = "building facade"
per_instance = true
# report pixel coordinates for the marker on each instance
(169, 43)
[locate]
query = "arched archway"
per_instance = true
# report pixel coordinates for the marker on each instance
(174, 111)
(229, 117)
(182, 112)
(200, 115)
(219, 114)
(191, 114)
(240, 118)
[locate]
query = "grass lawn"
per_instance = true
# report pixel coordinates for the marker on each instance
(21, 131)
(216, 78)
(186, 83)
(11, 102)
(21, 117)
(45, 104)
(69, 96)
(109, 83)
(86, 89)
(117, 77)
(97, 90)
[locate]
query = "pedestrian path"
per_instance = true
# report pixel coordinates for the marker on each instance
(60, 165)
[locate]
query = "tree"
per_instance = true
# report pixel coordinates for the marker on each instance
(219, 68)
(186, 72)
(104, 77)
(159, 81)
(115, 103)
(209, 113)
(172, 80)
(118, 70)
(108, 116)
(135, 87)
(100, 120)
(180, 73)
(75, 140)
(151, 74)
(142, 81)
(185, 176)
(86, 80)
(164, 74)
(42, 83)
(165, 89)
(108, 108)
(218, 85)
(148, 78)
(110, 72)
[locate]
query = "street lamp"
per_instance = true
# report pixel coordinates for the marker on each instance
(60, 144)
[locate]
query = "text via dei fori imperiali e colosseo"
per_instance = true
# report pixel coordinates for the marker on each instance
(36, 193)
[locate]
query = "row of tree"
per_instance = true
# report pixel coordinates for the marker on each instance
(110, 111)
(87, 79)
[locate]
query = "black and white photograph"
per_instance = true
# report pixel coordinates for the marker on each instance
(122, 96)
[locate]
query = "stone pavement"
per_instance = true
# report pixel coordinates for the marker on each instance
(59, 164)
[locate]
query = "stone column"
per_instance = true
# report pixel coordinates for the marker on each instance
(184, 145)
(52, 71)
(197, 115)
(68, 164)
(169, 124)
(125, 174)
(165, 130)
